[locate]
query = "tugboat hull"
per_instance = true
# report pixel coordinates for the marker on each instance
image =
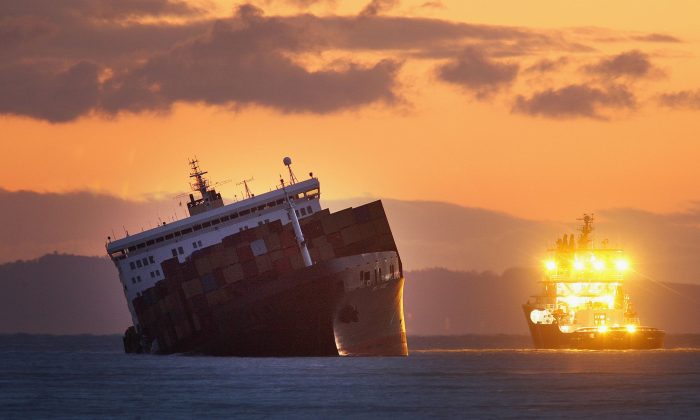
(550, 336)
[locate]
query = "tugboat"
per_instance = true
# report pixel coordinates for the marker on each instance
(583, 304)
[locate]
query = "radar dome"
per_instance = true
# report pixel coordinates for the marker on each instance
(287, 161)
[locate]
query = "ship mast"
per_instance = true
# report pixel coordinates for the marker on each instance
(200, 184)
(584, 238)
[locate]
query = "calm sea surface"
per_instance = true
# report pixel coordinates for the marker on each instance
(90, 377)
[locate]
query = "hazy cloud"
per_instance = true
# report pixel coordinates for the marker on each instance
(655, 37)
(575, 101)
(689, 99)
(475, 71)
(546, 65)
(375, 7)
(633, 64)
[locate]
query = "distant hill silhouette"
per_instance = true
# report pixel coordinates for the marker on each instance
(663, 247)
(67, 294)
(62, 294)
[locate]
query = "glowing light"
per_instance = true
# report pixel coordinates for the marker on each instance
(622, 265)
(631, 328)
(551, 265)
(598, 265)
(603, 329)
(578, 265)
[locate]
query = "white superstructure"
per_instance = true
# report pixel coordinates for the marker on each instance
(138, 257)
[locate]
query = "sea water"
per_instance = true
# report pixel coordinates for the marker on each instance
(85, 376)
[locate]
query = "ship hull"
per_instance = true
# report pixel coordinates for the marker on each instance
(549, 336)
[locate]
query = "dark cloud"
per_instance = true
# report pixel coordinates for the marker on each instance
(689, 99)
(246, 59)
(575, 101)
(244, 63)
(98, 9)
(475, 71)
(633, 64)
(654, 37)
(51, 94)
(375, 7)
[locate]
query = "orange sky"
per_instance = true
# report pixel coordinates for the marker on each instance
(438, 143)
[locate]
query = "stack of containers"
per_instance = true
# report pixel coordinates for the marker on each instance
(199, 295)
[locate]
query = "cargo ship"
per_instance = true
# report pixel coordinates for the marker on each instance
(272, 274)
(583, 304)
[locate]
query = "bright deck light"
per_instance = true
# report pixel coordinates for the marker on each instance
(551, 265)
(631, 328)
(603, 329)
(598, 265)
(578, 265)
(622, 265)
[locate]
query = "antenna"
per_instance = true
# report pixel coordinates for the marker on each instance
(248, 193)
(288, 163)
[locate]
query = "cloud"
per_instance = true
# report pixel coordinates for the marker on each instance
(633, 64)
(433, 4)
(475, 71)
(132, 65)
(656, 37)
(575, 101)
(546, 65)
(375, 7)
(48, 93)
(688, 99)
(244, 63)
(99, 9)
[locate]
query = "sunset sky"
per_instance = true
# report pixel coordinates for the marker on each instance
(542, 109)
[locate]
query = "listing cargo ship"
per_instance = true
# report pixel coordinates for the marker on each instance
(583, 304)
(269, 275)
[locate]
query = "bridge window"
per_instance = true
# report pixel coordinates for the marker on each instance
(215, 222)
(197, 227)
(151, 259)
(138, 264)
(303, 211)
(186, 231)
(145, 261)
(132, 265)
(206, 224)
(169, 236)
(180, 250)
(174, 251)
